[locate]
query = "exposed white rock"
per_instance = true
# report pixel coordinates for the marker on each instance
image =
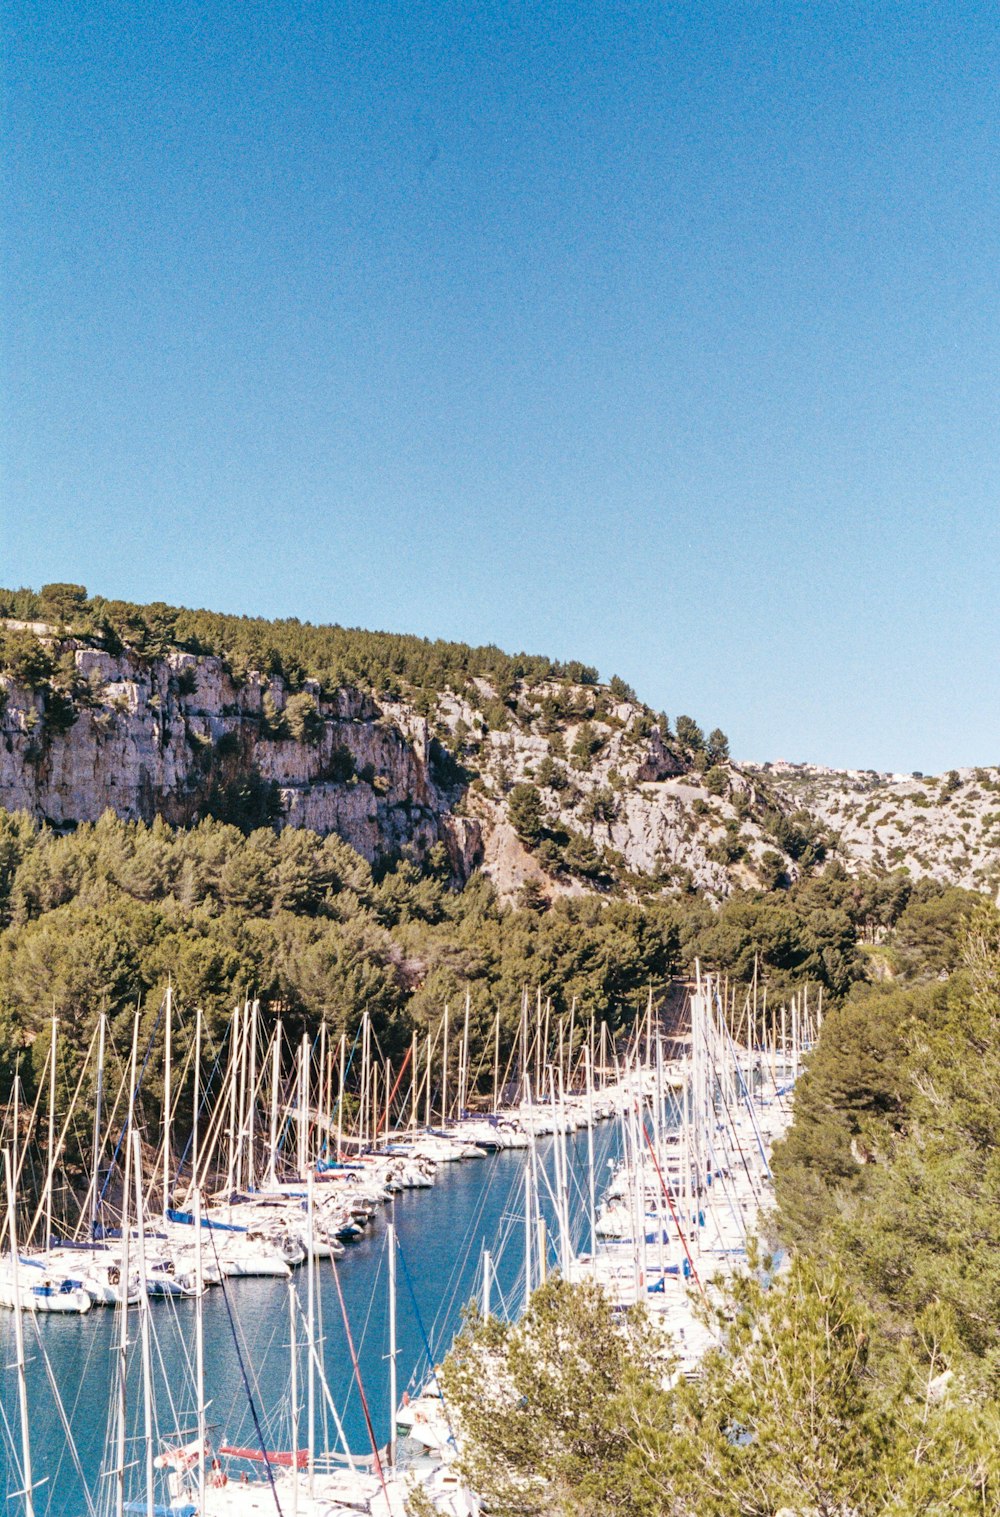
(171, 736)
(942, 827)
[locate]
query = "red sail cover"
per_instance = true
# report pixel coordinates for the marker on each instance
(284, 1461)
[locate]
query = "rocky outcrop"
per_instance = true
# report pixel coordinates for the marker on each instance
(634, 797)
(941, 827)
(182, 736)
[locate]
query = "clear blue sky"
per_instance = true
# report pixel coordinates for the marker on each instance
(663, 337)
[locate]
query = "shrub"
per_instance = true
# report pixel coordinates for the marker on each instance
(25, 659)
(619, 690)
(526, 813)
(340, 769)
(62, 603)
(716, 780)
(587, 742)
(718, 746)
(304, 719)
(690, 735)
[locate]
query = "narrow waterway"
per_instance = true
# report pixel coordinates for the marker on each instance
(441, 1233)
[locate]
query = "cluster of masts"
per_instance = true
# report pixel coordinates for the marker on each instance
(286, 1159)
(694, 1179)
(290, 1150)
(258, 1116)
(699, 1117)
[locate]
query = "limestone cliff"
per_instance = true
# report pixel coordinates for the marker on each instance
(622, 806)
(180, 736)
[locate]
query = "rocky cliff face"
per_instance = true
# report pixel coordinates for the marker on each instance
(180, 736)
(635, 798)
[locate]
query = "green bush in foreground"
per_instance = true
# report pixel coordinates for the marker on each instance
(576, 1411)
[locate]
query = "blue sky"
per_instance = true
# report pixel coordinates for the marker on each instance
(662, 337)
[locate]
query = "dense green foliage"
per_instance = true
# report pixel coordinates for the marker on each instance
(573, 1412)
(103, 916)
(863, 1377)
(892, 1159)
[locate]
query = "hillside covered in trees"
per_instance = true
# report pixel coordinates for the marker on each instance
(202, 797)
(550, 781)
(103, 916)
(341, 823)
(295, 651)
(205, 797)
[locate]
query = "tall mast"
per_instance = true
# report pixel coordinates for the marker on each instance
(17, 1120)
(593, 1028)
(591, 1190)
(123, 1286)
(414, 1084)
(393, 1390)
(98, 1102)
(340, 1094)
(464, 1089)
(147, 1363)
(365, 1077)
(251, 1108)
(559, 1057)
(166, 1101)
(444, 1071)
(527, 1232)
(242, 1091)
(311, 1317)
(496, 1065)
(293, 1395)
(52, 1141)
(22, 1384)
(328, 1097)
(302, 1157)
(199, 1346)
(275, 1082)
(649, 1027)
(196, 1099)
(321, 1091)
(234, 1040)
(562, 1172)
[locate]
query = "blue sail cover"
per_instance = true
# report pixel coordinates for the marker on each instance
(162, 1511)
(186, 1218)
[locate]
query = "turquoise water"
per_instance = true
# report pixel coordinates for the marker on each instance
(441, 1233)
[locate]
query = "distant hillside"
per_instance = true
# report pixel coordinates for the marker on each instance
(942, 827)
(550, 781)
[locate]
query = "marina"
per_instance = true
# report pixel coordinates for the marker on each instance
(196, 1399)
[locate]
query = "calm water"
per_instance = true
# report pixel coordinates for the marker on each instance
(441, 1233)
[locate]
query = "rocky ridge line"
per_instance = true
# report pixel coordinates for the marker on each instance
(942, 827)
